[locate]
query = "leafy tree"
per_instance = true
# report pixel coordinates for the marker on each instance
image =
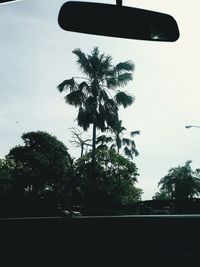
(115, 180)
(97, 97)
(119, 141)
(6, 168)
(41, 162)
(6, 172)
(161, 195)
(181, 182)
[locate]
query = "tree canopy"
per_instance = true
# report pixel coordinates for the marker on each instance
(43, 161)
(98, 96)
(115, 179)
(6, 172)
(161, 195)
(93, 95)
(181, 182)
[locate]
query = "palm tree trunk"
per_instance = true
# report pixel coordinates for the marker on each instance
(94, 145)
(92, 173)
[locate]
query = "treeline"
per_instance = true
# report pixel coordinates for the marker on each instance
(44, 167)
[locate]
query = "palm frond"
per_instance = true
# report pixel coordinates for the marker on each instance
(100, 121)
(82, 61)
(102, 147)
(84, 87)
(134, 133)
(110, 114)
(111, 82)
(109, 139)
(100, 139)
(118, 128)
(125, 66)
(103, 96)
(102, 111)
(111, 117)
(67, 84)
(124, 78)
(128, 152)
(103, 139)
(105, 63)
(126, 141)
(98, 63)
(75, 98)
(95, 65)
(124, 99)
(90, 104)
(110, 105)
(133, 143)
(84, 118)
(95, 51)
(111, 72)
(134, 151)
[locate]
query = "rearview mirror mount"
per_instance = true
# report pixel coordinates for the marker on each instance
(117, 21)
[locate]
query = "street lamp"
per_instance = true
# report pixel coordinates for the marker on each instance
(190, 126)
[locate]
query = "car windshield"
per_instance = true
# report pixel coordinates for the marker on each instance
(97, 125)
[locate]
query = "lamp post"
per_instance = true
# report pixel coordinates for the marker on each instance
(190, 126)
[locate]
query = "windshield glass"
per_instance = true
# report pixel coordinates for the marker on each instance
(97, 125)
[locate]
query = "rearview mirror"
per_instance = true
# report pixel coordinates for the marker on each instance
(117, 21)
(7, 1)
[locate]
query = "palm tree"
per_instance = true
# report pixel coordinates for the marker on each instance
(129, 146)
(102, 141)
(161, 195)
(181, 182)
(98, 97)
(119, 142)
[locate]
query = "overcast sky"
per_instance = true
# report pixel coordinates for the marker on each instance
(36, 55)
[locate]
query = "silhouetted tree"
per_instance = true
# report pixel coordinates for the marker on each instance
(118, 141)
(43, 161)
(6, 173)
(161, 195)
(115, 179)
(97, 98)
(181, 182)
